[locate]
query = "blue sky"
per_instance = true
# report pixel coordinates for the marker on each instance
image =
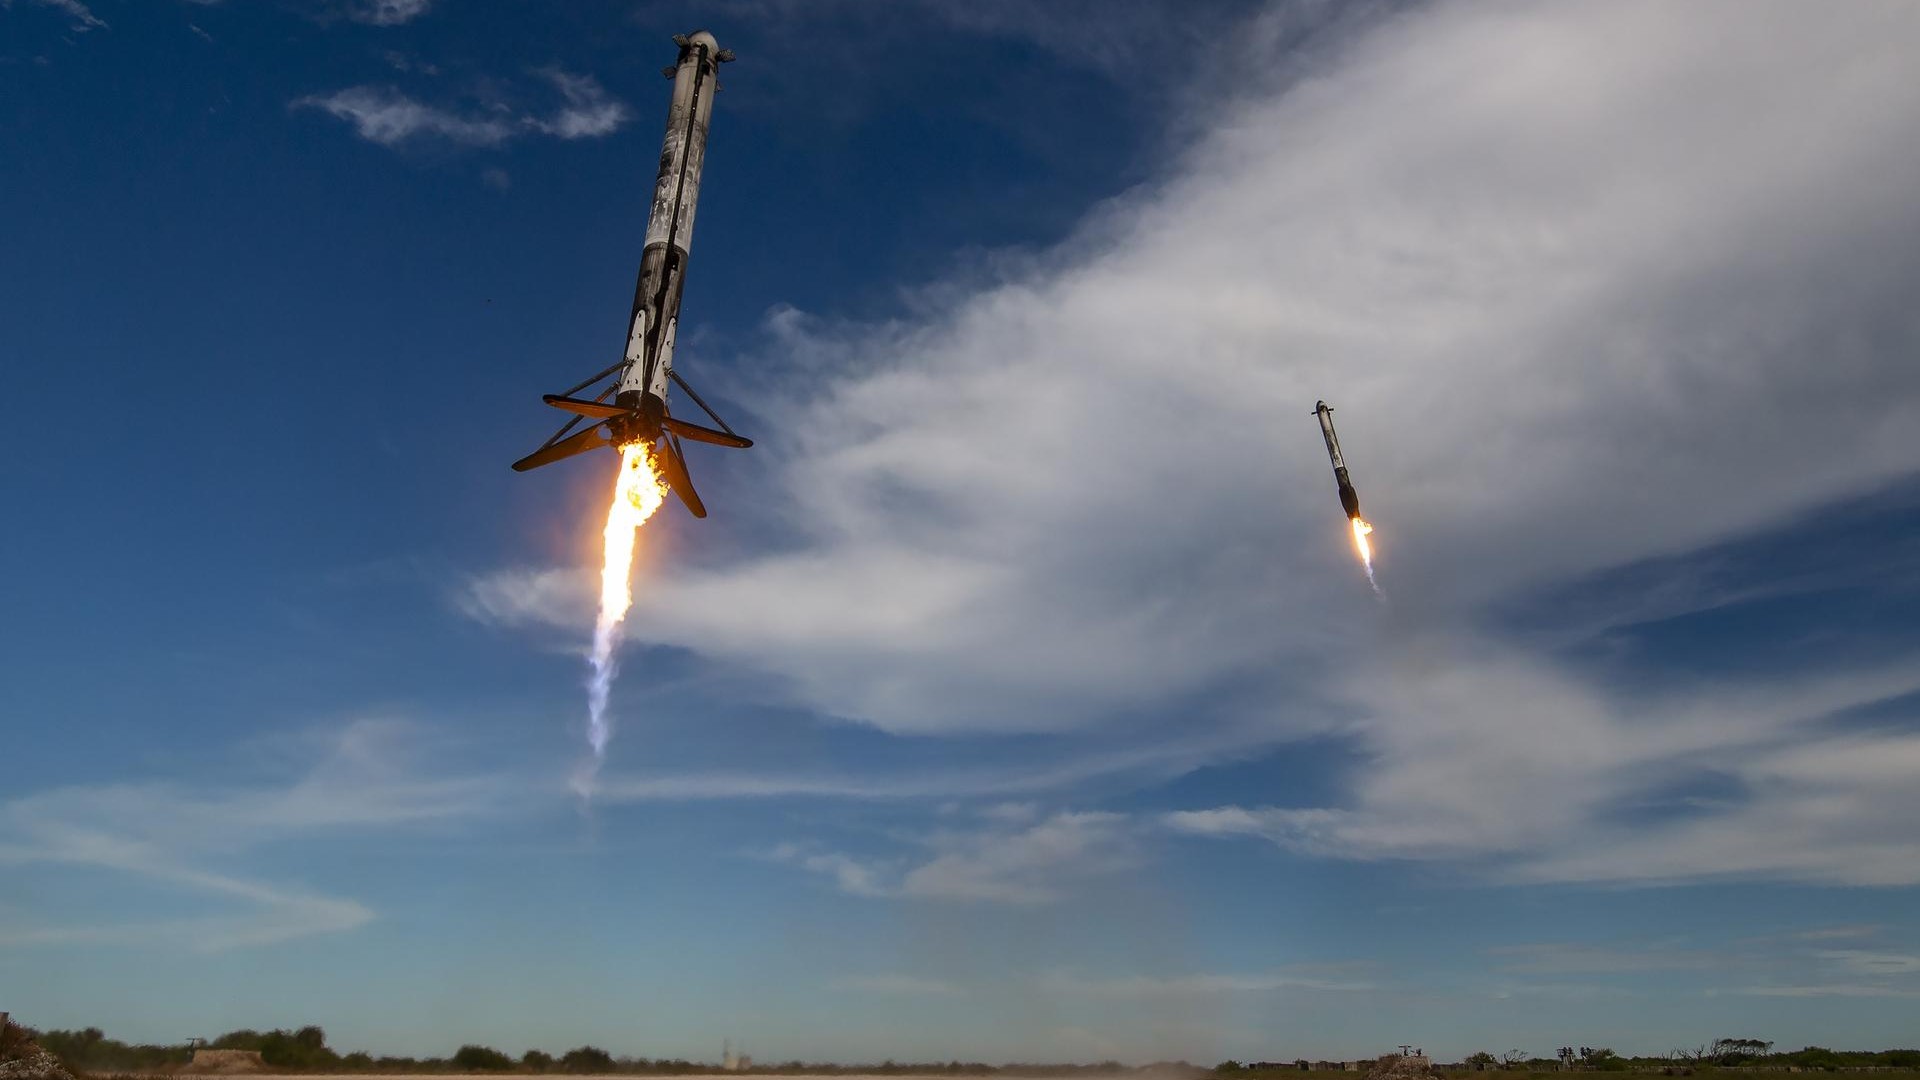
(1021, 698)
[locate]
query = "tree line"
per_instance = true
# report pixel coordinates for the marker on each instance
(1718, 1054)
(305, 1050)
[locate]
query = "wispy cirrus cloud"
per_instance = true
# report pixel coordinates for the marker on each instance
(1869, 962)
(1830, 990)
(80, 18)
(588, 113)
(386, 12)
(1780, 965)
(172, 836)
(1034, 864)
(268, 913)
(1323, 978)
(1809, 804)
(386, 116)
(1136, 765)
(389, 117)
(365, 12)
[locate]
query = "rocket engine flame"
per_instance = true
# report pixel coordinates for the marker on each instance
(1361, 544)
(637, 492)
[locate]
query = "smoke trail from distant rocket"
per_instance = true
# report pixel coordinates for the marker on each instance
(637, 493)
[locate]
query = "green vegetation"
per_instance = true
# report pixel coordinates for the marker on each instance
(586, 1059)
(90, 1050)
(305, 1050)
(1724, 1059)
(471, 1058)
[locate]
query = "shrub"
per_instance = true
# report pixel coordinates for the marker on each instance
(471, 1058)
(586, 1059)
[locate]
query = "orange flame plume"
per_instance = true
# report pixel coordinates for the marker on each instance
(1365, 548)
(637, 492)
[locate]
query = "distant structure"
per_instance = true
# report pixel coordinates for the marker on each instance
(731, 1061)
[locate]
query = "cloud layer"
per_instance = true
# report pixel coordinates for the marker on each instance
(1588, 285)
(168, 837)
(1007, 862)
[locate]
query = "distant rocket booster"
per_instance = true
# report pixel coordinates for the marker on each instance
(1349, 498)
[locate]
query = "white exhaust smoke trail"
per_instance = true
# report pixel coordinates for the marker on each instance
(637, 493)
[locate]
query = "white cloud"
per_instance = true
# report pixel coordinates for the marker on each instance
(1010, 813)
(387, 116)
(1527, 772)
(1035, 864)
(1023, 514)
(588, 114)
(168, 835)
(386, 12)
(1830, 811)
(1590, 284)
(275, 915)
(853, 876)
(390, 118)
(530, 596)
(82, 17)
(1032, 865)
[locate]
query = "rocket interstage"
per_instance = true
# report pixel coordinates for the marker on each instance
(1349, 498)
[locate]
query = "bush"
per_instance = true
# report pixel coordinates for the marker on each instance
(471, 1058)
(586, 1059)
(305, 1049)
(536, 1061)
(89, 1050)
(13, 1040)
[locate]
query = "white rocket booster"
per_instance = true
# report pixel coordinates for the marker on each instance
(639, 411)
